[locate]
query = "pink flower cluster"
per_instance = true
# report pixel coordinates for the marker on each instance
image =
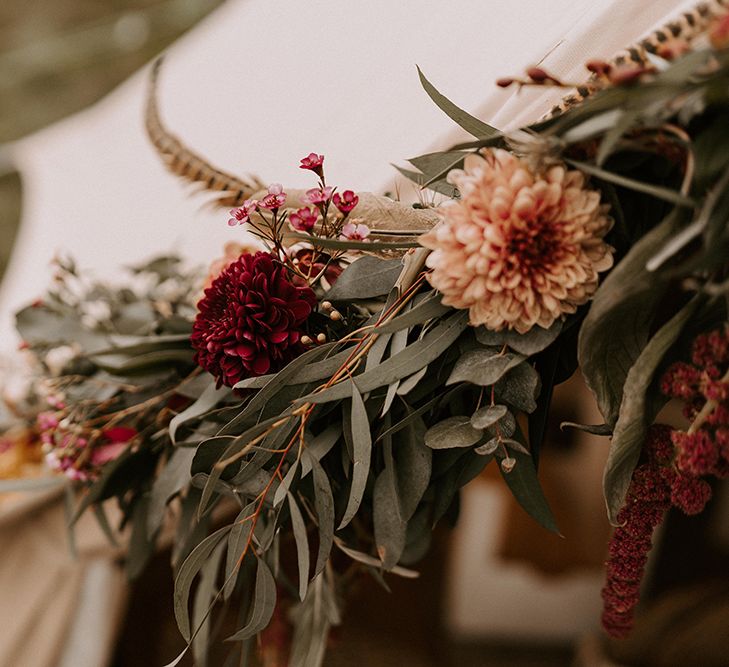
(317, 202)
(273, 200)
(674, 472)
(72, 451)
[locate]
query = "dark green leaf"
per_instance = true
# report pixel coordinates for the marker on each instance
(524, 484)
(634, 417)
(472, 125)
(618, 323)
(594, 429)
(656, 191)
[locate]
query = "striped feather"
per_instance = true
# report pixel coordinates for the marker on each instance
(182, 162)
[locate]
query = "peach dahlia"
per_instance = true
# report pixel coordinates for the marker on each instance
(521, 247)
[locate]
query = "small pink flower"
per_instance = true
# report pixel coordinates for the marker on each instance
(303, 220)
(104, 453)
(355, 232)
(117, 434)
(312, 162)
(47, 421)
(346, 201)
(242, 214)
(318, 195)
(275, 198)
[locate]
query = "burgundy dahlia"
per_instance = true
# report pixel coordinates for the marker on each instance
(249, 321)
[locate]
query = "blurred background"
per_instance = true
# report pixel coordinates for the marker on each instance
(76, 174)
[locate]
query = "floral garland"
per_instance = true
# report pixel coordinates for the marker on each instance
(335, 386)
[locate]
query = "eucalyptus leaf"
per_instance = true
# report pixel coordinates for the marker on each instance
(264, 602)
(302, 545)
(428, 309)
(483, 367)
(410, 360)
(205, 595)
(366, 278)
(390, 529)
(488, 416)
(519, 387)
(524, 484)
(488, 448)
(413, 466)
(174, 476)
(186, 575)
(472, 125)
(284, 487)
(366, 559)
(237, 541)
(452, 432)
(529, 343)
(324, 505)
(320, 446)
(210, 397)
(362, 446)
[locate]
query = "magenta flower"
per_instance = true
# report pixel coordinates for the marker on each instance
(312, 162)
(303, 220)
(355, 232)
(242, 214)
(275, 198)
(318, 195)
(346, 201)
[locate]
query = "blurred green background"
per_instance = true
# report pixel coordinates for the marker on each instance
(59, 56)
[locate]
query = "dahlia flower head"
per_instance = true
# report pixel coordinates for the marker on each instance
(250, 320)
(521, 247)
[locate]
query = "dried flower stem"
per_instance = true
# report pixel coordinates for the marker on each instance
(706, 411)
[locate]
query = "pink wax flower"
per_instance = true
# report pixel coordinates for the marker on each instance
(346, 201)
(312, 162)
(303, 220)
(355, 232)
(318, 195)
(116, 440)
(47, 421)
(242, 214)
(275, 198)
